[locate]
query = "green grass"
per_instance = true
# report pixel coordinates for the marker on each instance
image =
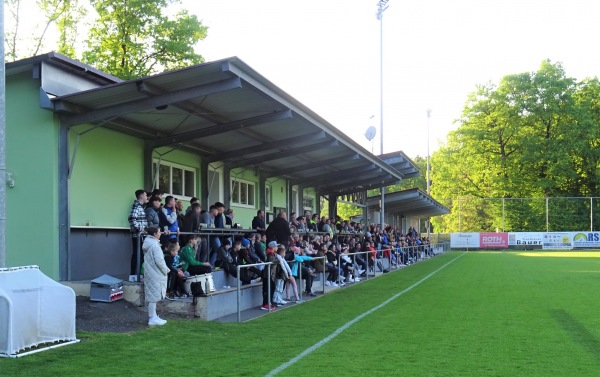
(485, 314)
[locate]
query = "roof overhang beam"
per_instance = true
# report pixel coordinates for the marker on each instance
(265, 147)
(146, 103)
(222, 128)
(284, 153)
(311, 165)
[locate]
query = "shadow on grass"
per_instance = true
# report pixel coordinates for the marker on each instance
(577, 331)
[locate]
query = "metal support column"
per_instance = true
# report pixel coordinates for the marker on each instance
(149, 173)
(64, 226)
(204, 184)
(226, 186)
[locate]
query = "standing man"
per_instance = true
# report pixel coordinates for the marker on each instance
(258, 222)
(170, 211)
(279, 230)
(137, 223)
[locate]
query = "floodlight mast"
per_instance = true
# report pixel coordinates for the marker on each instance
(428, 176)
(382, 5)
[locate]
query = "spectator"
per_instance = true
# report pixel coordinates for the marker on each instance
(191, 221)
(171, 224)
(158, 193)
(137, 223)
(153, 211)
(302, 224)
(258, 222)
(225, 259)
(220, 216)
(307, 273)
(179, 210)
(270, 271)
(279, 230)
(359, 259)
(260, 246)
(284, 274)
(192, 201)
(176, 274)
(312, 225)
(155, 275)
(211, 247)
(294, 220)
(189, 261)
(243, 257)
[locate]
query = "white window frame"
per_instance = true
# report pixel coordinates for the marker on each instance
(156, 163)
(237, 201)
(218, 170)
(312, 200)
(268, 197)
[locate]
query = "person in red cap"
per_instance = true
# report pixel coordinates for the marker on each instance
(272, 268)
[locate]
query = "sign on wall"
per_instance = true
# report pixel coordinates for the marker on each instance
(493, 240)
(557, 240)
(525, 238)
(464, 240)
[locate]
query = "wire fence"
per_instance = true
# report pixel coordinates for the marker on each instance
(547, 214)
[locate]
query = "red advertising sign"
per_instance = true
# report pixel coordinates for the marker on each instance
(493, 240)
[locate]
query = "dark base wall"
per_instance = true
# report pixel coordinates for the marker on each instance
(94, 252)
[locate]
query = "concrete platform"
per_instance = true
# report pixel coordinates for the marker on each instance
(220, 305)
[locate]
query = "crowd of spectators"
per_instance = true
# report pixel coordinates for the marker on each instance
(345, 250)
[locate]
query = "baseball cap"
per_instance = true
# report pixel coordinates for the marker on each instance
(273, 245)
(245, 242)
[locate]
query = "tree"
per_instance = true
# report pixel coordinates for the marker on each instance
(134, 38)
(532, 135)
(62, 15)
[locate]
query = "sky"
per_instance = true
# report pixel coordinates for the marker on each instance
(326, 54)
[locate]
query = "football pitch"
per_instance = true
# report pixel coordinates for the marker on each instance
(458, 314)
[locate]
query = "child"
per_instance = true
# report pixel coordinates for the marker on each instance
(176, 274)
(284, 274)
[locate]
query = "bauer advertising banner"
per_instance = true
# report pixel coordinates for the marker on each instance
(493, 240)
(464, 240)
(557, 241)
(525, 238)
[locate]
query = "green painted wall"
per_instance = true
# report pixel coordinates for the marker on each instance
(108, 169)
(32, 156)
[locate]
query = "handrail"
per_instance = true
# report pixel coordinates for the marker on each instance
(239, 286)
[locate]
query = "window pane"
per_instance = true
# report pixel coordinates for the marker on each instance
(190, 183)
(268, 197)
(177, 181)
(214, 187)
(164, 177)
(243, 193)
(251, 194)
(235, 192)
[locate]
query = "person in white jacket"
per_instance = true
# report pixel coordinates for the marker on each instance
(155, 274)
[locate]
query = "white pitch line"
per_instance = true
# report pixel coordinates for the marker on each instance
(337, 332)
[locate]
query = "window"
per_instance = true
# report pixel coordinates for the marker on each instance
(176, 180)
(308, 203)
(268, 197)
(242, 193)
(215, 184)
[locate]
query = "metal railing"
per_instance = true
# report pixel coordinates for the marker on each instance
(239, 285)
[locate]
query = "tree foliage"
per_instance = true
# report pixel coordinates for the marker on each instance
(63, 15)
(532, 135)
(127, 38)
(134, 38)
